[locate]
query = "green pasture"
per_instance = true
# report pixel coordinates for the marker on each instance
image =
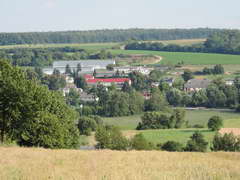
(201, 117)
(187, 58)
(179, 135)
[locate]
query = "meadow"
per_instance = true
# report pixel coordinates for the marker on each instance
(194, 117)
(36, 163)
(201, 117)
(187, 58)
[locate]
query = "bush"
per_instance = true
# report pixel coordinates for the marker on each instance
(172, 146)
(215, 123)
(198, 126)
(88, 124)
(110, 137)
(197, 143)
(161, 120)
(227, 142)
(138, 142)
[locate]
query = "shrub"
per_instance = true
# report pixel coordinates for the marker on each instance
(88, 124)
(172, 146)
(215, 123)
(138, 142)
(110, 137)
(226, 142)
(196, 143)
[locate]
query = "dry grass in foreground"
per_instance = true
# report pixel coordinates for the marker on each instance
(33, 163)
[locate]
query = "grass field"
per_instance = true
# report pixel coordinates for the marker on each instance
(128, 125)
(38, 164)
(192, 116)
(164, 135)
(187, 58)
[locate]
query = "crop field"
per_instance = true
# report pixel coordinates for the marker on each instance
(36, 163)
(87, 46)
(187, 58)
(183, 42)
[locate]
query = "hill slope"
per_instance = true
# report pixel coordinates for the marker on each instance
(26, 163)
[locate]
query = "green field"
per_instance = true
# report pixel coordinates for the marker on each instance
(128, 125)
(231, 119)
(187, 58)
(179, 135)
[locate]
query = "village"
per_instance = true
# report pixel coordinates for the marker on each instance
(106, 73)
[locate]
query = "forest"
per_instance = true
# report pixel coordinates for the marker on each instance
(226, 42)
(115, 35)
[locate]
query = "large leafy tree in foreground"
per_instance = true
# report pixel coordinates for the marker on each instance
(32, 115)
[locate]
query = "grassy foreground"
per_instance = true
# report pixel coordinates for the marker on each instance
(24, 163)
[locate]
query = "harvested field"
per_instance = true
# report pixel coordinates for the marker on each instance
(235, 131)
(38, 164)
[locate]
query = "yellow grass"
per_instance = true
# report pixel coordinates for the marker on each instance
(23, 163)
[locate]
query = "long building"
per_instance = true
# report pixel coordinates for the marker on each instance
(86, 65)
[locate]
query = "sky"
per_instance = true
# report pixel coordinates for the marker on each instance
(60, 15)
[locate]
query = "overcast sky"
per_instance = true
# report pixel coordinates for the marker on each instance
(57, 15)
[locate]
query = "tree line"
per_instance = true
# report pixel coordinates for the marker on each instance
(115, 35)
(46, 56)
(226, 42)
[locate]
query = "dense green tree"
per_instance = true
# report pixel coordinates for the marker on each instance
(32, 115)
(157, 102)
(187, 75)
(197, 143)
(110, 138)
(138, 80)
(54, 82)
(199, 98)
(215, 123)
(80, 82)
(226, 142)
(138, 142)
(68, 69)
(172, 146)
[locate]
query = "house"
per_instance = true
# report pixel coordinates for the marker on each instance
(85, 97)
(196, 84)
(108, 82)
(129, 69)
(68, 87)
(86, 65)
(229, 82)
(169, 81)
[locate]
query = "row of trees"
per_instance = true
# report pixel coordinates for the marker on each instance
(110, 137)
(115, 35)
(162, 120)
(46, 56)
(227, 42)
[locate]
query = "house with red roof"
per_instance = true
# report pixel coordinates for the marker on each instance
(92, 81)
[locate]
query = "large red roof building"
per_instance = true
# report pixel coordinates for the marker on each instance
(91, 81)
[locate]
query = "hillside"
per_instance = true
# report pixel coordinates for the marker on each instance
(23, 163)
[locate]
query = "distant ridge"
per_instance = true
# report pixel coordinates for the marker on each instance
(100, 36)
